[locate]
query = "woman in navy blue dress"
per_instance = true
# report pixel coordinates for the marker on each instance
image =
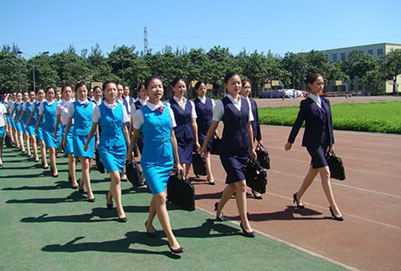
(81, 111)
(235, 148)
(47, 111)
(318, 140)
(112, 147)
(186, 131)
(245, 92)
(156, 121)
(204, 112)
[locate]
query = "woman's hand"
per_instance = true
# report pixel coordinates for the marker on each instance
(197, 146)
(179, 169)
(130, 157)
(86, 147)
(253, 154)
(287, 146)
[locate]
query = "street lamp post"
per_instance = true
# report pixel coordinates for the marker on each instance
(33, 66)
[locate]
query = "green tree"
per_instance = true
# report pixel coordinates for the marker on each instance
(391, 67)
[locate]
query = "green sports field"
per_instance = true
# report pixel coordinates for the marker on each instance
(46, 225)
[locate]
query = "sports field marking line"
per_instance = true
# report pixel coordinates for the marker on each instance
(343, 185)
(289, 244)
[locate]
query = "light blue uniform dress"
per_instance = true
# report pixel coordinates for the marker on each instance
(8, 115)
(12, 113)
(157, 155)
(32, 124)
(17, 108)
(112, 148)
(62, 110)
(39, 135)
(3, 110)
(82, 124)
(49, 112)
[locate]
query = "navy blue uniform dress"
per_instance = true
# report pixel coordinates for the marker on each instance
(183, 130)
(235, 145)
(318, 134)
(204, 112)
(255, 123)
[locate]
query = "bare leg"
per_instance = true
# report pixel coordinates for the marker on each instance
(71, 169)
(187, 167)
(34, 147)
(310, 176)
(27, 141)
(21, 141)
(151, 216)
(210, 177)
(325, 177)
(43, 152)
(15, 136)
(161, 210)
(1, 151)
(85, 162)
(241, 204)
(52, 156)
(227, 194)
(115, 188)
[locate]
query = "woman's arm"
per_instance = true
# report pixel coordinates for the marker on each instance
(210, 134)
(134, 140)
(38, 123)
(91, 133)
(175, 151)
(29, 120)
(297, 125)
(194, 127)
(67, 129)
(250, 134)
(58, 120)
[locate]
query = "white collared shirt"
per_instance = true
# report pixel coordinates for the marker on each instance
(193, 111)
(316, 99)
(203, 100)
(41, 107)
(218, 110)
(133, 106)
(62, 109)
(138, 118)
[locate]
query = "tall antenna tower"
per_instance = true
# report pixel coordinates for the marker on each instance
(145, 41)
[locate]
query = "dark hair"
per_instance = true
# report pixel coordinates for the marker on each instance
(150, 79)
(64, 87)
(78, 85)
(310, 78)
(246, 81)
(198, 84)
(47, 89)
(108, 82)
(176, 80)
(96, 88)
(229, 75)
(39, 89)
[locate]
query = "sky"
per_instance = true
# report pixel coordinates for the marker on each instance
(279, 26)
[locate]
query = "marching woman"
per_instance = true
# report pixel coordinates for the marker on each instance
(156, 121)
(245, 92)
(18, 125)
(14, 132)
(111, 116)
(186, 131)
(7, 104)
(97, 95)
(204, 111)
(40, 96)
(3, 129)
(30, 139)
(140, 101)
(67, 139)
(25, 135)
(47, 111)
(235, 148)
(318, 140)
(81, 111)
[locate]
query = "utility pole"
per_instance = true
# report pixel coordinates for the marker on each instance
(145, 41)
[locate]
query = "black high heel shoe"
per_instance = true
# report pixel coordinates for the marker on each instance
(338, 218)
(122, 219)
(247, 233)
(109, 205)
(218, 218)
(256, 197)
(176, 251)
(151, 234)
(300, 206)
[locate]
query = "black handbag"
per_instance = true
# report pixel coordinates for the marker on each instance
(133, 173)
(9, 143)
(336, 166)
(256, 176)
(199, 164)
(215, 145)
(263, 156)
(98, 162)
(181, 193)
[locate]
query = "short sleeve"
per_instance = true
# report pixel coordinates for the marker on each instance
(133, 109)
(71, 110)
(193, 113)
(24, 107)
(251, 118)
(173, 123)
(138, 119)
(41, 108)
(58, 109)
(96, 114)
(218, 111)
(125, 115)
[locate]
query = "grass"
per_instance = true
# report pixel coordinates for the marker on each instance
(379, 117)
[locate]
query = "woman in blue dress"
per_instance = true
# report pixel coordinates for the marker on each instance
(67, 139)
(186, 130)
(47, 110)
(235, 148)
(22, 123)
(204, 112)
(81, 111)
(110, 116)
(245, 92)
(18, 126)
(11, 106)
(40, 96)
(156, 121)
(30, 138)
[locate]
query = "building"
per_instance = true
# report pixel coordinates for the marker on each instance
(375, 50)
